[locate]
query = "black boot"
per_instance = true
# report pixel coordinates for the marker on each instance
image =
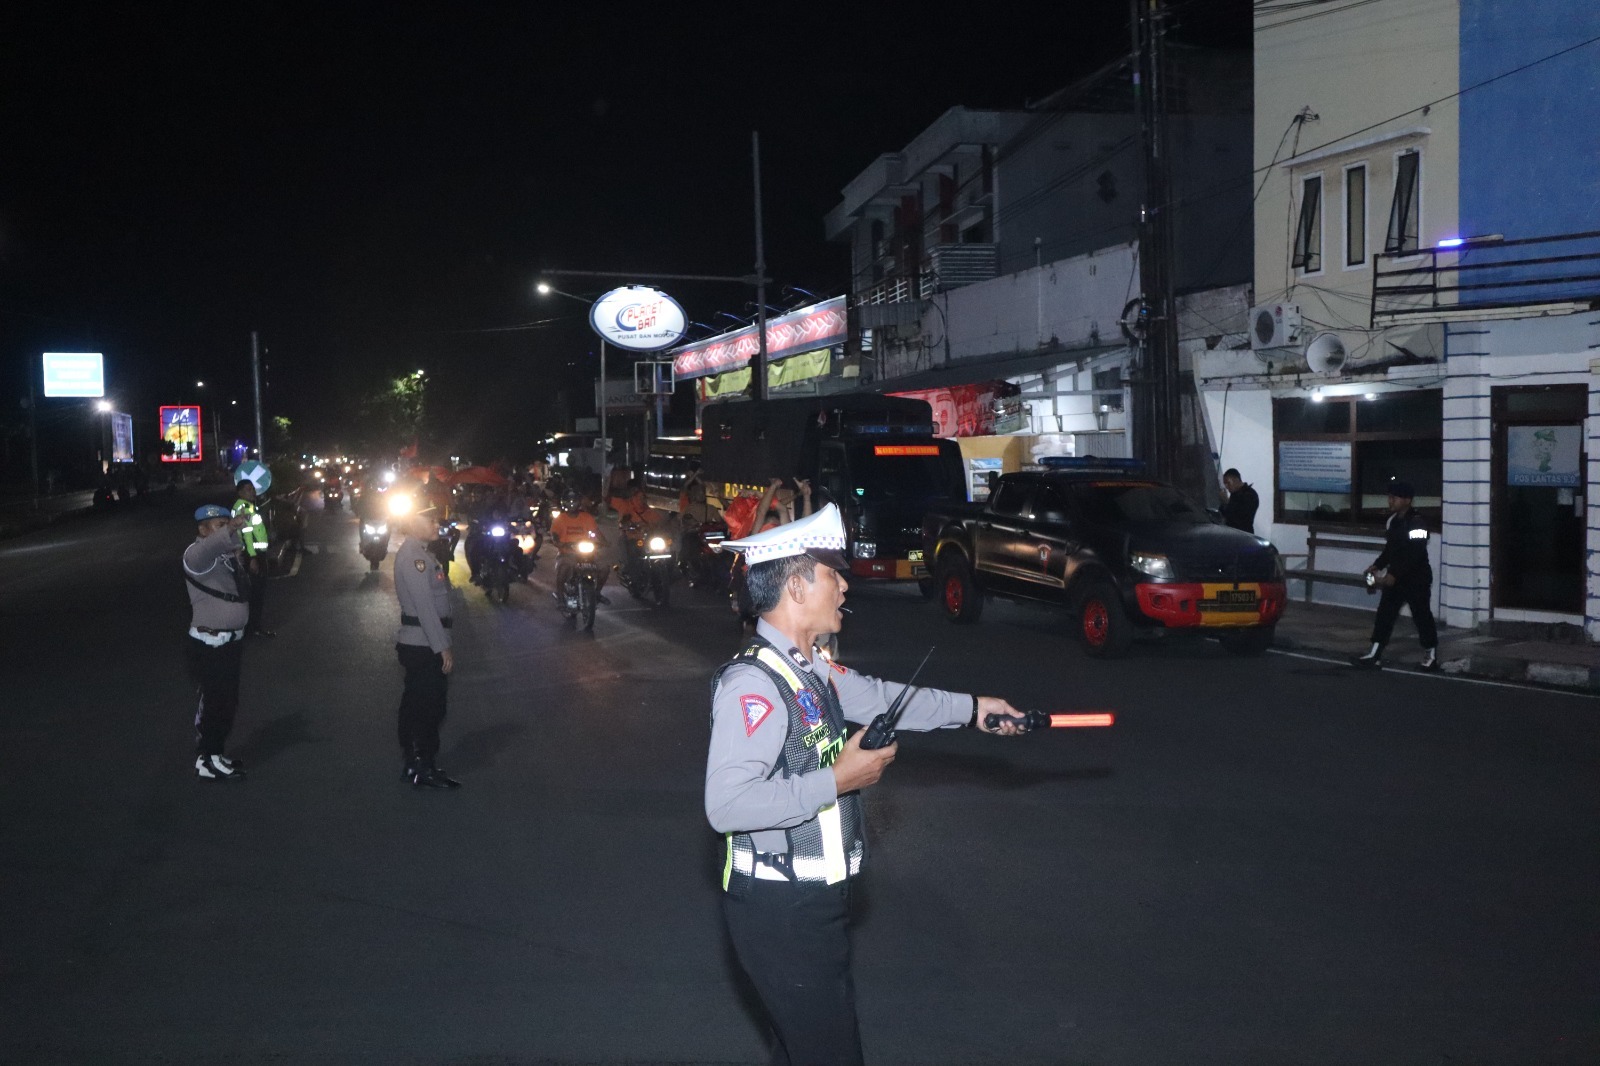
(430, 776)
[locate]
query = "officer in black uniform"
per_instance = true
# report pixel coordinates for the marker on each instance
(783, 784)
(423, 643)
(1406, 579)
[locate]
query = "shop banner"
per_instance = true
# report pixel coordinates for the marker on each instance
(807, 329)
(966, 410)
(1314, 465)
(791, 371)
(180, 434)
(1543, 456)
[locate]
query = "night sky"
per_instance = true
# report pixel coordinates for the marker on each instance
(376, 189)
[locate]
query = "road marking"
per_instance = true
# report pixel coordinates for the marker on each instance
(1441, 676)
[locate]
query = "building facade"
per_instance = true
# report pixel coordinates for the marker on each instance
(1425, 288)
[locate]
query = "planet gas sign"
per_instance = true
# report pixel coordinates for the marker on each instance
(638, 318)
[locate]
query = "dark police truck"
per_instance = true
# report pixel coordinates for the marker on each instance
(874, 456)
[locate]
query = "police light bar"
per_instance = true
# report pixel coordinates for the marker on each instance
(1073, 462)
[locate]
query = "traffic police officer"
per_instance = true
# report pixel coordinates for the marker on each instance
(218, 614)
(783, 785)
(254, 537)
(1408, 579)
(423, 644)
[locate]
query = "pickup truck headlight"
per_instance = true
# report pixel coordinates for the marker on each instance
(1156, 566)
(866, 549)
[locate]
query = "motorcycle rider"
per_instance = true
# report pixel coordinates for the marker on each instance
(566, 529)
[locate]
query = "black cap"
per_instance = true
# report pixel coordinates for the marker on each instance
(1402, 489)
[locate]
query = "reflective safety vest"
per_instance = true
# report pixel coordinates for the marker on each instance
(828, 848)
(254, 535)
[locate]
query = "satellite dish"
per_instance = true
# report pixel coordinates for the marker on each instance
(1325, 354)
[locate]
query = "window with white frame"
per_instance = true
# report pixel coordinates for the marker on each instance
(1308, 234)
(1355, 215)
(1405, 211)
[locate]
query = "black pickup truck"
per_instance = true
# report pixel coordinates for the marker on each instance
(1119, 550)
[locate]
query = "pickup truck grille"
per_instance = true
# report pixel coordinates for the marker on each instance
(1245, 566)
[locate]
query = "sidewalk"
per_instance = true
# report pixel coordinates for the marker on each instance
(1341, 632)
(19, 515)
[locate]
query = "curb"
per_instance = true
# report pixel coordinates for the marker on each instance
(1583, 679)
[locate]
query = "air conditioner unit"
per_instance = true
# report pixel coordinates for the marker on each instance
(1274, 326)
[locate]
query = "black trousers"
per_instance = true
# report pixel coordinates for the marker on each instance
(258, 592)
(793, 941)
(1414, 594)
(422, 702)
(216, 672)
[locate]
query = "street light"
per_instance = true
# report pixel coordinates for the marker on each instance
(544, 288)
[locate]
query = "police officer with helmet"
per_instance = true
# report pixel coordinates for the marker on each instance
(1406, 579)
(783, 784)
(424, 646)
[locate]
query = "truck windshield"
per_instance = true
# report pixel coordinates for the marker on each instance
(1141, 503)
(905, 472)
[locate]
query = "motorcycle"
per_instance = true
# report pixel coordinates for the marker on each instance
(443, 547)
(530, 539)
(698, 557)
(497, 566)
(374, 541)
(580, 592)
(650, 564)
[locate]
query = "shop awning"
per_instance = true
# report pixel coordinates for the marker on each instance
(972, 371)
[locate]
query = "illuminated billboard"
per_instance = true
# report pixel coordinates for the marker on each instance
(121, 438)
(74, 374)
(180, 434)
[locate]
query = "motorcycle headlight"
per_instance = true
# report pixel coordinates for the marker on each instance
(1156, 566)
(658, 544)
(866, 549)
(399, 504)
(498, 531)
(375, 530)
(585, 547)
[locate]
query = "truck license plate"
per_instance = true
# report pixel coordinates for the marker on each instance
(1229, 604)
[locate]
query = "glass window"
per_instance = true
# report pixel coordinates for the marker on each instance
(1405, 211)
(1400, 412)
(1011, 497)
(1379, 462)
(1355, 216)
(1110, 378)
(1305, 417)
(1308, 235)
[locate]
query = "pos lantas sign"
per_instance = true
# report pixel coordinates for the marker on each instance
(638, 318)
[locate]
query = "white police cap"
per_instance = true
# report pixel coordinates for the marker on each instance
(820, 536)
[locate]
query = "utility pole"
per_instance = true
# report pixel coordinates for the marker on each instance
(758, 368)
(255, 380)
(1157, 410)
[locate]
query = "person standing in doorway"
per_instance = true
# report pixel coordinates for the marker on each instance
(1239, 509)
(1407, 579)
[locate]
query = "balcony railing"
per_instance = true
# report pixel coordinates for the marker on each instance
(1486, 277)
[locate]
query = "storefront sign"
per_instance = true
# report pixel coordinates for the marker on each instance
(791, 371)
(121, 438)
(180, 434)
(1314, 465)
(638, 318)
(1544, 456)
(806, 329)
(74, 374)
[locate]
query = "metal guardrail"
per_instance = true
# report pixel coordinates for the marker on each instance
(1485, 274)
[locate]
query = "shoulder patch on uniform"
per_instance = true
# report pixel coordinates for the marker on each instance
(756, 709)
(422, 566)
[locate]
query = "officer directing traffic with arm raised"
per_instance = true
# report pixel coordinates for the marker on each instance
(783, 785)
(424, 646)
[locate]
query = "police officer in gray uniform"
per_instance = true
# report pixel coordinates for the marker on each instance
(219, 604)
(423, 644)
(783, 785)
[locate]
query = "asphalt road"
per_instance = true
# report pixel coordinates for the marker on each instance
(1271, 861)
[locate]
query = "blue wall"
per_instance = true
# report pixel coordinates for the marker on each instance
(1530, 143)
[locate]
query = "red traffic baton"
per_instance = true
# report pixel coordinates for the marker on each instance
(1031, 720)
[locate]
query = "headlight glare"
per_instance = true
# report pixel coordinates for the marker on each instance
(1156, 566)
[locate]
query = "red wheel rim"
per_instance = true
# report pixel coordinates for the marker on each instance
(1096, 622)
(952, 594)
